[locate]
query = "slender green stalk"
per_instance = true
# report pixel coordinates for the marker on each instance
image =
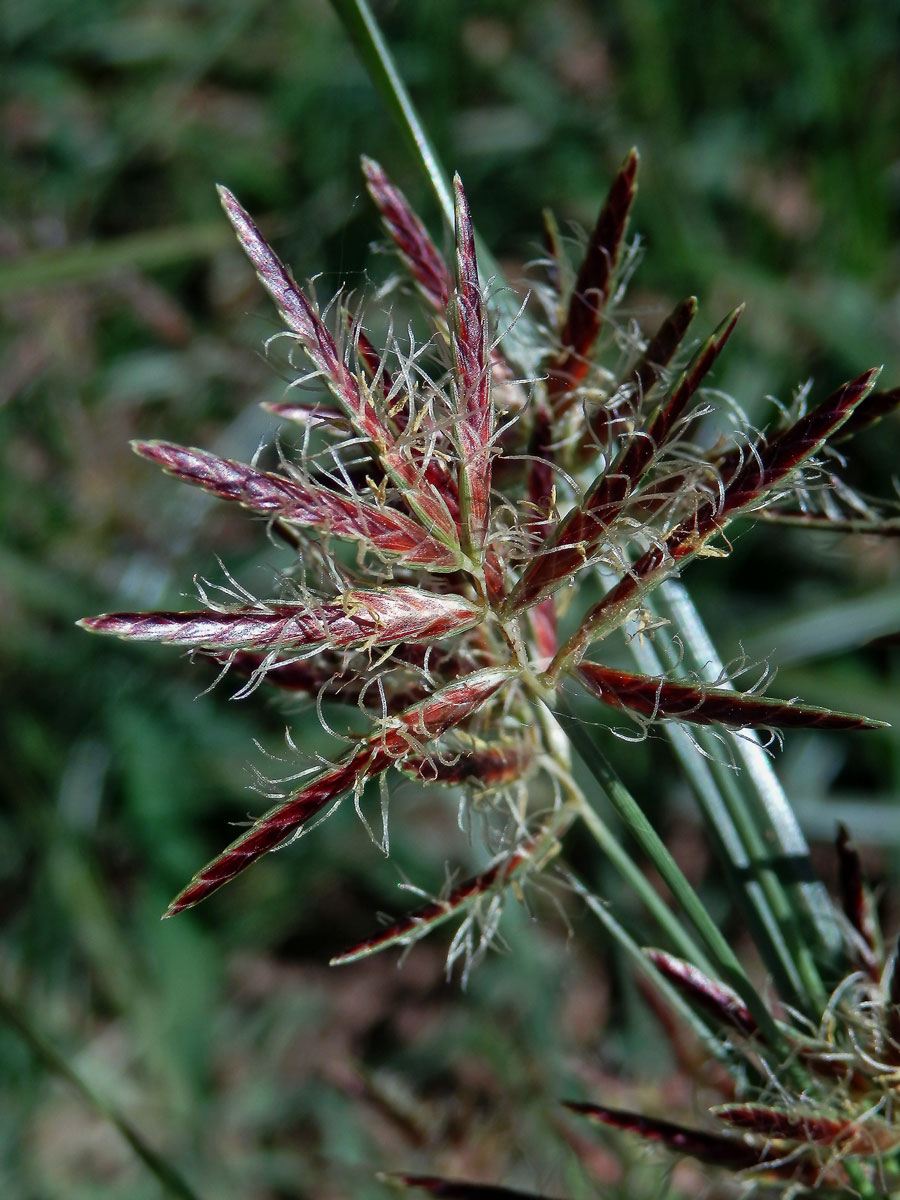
(733, 815)
(692, 1019)
(759, 772)
(165, 1173)
(363, 30)
(358, 20)
(727, 965)
(680, 937)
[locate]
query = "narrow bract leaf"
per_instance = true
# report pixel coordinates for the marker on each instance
(473, 425)
(416, 248)
(713, 997)
(700, 705)
(399, 737)
(592, 288)
(386, 531)
(358, 619)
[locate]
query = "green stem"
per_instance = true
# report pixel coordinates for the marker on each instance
(730, 817)
(695, 1021)
(517, 329)
(165, 1173)
(363, 30)
(726, 963)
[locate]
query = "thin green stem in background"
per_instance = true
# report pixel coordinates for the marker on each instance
(516, 326)
(174, 1183)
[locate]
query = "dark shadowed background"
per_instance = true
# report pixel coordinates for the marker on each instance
(770, 173)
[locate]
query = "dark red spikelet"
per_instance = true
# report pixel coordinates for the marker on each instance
(640, 381)
(302, 501)
(417, 249)
(876, 406)
(328, 676)
(855, 899)
(775, 459)
(426, 720)
(698, 705)
(281, 823)
(762, 470)
(473, 425)
(592, 288)
(423, 920)
(792, 1127)
(487, 766)
(708, 994)
(455, 1189)
(707, 1147)
(580, 533)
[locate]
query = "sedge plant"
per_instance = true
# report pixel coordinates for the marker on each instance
(450, 501)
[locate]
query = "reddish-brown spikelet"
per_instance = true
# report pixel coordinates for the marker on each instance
(708, 1147)
(876, 406)
(699, 705)
(773, 460)
(425, 264)
(708, 994)
(426, 720)
(578, 536)
(488, 766)
(763, 469)
(473, 425)
(592, 289)
(301, 318)
(893, 1004)
(331, 677)
(307, 503)
(417, 924)
(866, 1137)
(855, 900)
(359, 618)
(634, 389)
(456, 1189)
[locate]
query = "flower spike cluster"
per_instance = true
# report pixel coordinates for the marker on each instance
(442, 508)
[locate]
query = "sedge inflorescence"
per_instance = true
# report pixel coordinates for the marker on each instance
(446, 498)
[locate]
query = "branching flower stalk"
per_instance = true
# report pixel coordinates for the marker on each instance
(445, 506)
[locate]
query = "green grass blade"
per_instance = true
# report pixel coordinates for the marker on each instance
(165, 1173)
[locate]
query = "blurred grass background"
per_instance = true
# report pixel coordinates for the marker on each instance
(771, 173)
